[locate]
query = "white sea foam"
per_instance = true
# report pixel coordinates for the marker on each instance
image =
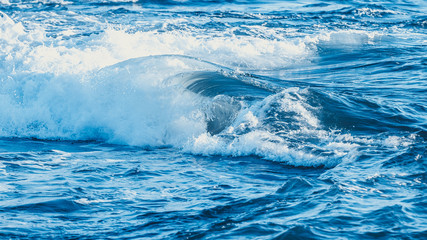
(345, 39)
(375, 12)
(36, 52)
(85, 201)
(259, 130)
(123, 104)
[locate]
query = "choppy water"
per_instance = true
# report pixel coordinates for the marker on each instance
(213, 119)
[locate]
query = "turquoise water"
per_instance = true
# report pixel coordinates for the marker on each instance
(213, 119)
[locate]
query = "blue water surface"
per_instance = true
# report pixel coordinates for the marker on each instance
(213, 119)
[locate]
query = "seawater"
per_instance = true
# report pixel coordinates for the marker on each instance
(213, 119)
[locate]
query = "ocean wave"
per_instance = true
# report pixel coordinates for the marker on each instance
(189, 90)
(149, 102)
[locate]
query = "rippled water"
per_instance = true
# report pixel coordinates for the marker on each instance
(213, 119)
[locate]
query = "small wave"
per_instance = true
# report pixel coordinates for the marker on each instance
(54, 206)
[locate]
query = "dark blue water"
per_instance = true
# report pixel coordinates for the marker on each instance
(213, 119)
